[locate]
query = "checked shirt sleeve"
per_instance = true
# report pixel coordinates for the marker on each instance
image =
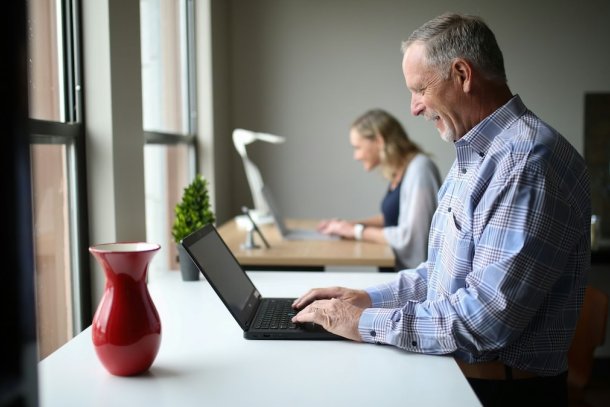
(409, 286)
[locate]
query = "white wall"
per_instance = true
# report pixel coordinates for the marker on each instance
(306, 69)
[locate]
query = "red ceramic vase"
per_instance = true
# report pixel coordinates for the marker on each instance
(126, 328)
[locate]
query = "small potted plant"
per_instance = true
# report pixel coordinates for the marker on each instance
(192, 213)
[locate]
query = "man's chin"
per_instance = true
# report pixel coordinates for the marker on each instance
(446, 136)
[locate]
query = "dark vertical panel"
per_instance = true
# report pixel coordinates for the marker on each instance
(17, 352)
(597, 155)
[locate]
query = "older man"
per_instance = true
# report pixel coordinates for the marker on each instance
(509, 246)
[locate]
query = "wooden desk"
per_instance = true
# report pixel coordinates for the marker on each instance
(303, 253)
(205, 361)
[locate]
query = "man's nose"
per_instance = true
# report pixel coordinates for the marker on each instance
(417, 107)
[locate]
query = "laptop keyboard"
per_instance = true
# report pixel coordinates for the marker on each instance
(275, 314)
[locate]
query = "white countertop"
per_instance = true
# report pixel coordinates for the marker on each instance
(204, 360)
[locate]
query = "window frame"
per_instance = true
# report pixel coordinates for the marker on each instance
(71, 133)
(189, 139)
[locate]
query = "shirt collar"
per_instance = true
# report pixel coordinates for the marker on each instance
(480, 137)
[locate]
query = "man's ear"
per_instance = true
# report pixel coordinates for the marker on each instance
(462, 73)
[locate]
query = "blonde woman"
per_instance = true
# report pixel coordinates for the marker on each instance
(379, 140)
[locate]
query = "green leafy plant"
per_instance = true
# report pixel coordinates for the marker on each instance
(194, 211)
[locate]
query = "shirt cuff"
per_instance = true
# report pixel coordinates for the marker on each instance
(372, 323)
(375, 296)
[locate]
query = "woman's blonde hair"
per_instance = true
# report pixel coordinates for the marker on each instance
(398, 148)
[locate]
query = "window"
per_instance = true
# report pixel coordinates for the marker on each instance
(58, 177)
(169, 116)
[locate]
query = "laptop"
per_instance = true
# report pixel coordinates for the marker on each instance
(291, 234)
(252, 312)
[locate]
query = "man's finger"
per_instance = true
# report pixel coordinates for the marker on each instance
(305, 315)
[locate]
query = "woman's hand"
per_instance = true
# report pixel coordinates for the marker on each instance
(341, 228)
(323, 224)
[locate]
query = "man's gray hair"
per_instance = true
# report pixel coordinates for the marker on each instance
(451, 36)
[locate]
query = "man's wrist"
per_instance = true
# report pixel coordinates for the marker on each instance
(358, 230)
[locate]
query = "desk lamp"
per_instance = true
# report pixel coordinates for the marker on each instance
(241, 138)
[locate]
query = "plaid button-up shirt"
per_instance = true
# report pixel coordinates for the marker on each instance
(509, 250)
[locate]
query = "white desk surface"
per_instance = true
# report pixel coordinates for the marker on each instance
(205, 361)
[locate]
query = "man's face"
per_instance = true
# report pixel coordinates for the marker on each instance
(366, 151)
(433, 97)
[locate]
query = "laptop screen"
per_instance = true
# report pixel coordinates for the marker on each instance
(223, 272)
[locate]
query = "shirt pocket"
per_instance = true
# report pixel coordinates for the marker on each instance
(456, 254)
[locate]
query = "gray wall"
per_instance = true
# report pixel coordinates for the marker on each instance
(306, 69)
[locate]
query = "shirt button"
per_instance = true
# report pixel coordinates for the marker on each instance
(463, 170)
(414, 343)
(481, 155)
(373, 334)
(449, 209)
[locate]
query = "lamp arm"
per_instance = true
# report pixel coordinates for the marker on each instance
(255, 181)
(242, 137)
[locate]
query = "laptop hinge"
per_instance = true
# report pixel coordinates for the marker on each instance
(252, 306)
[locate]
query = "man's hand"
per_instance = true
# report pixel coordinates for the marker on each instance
(337, 309)
(336, 316)
(359, 298)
